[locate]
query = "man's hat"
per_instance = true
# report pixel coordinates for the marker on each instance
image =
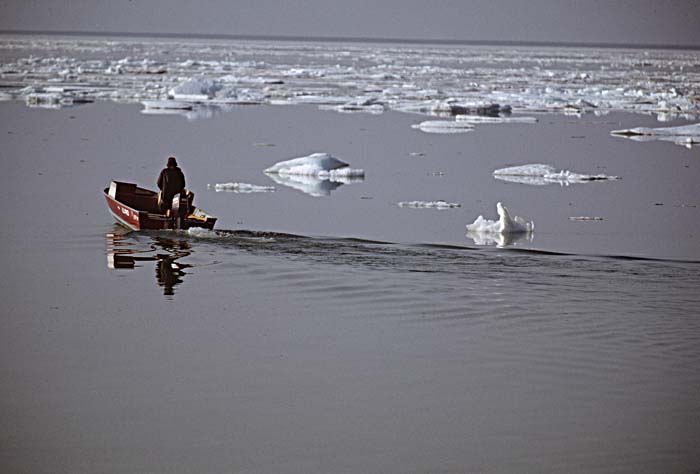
(172, 161)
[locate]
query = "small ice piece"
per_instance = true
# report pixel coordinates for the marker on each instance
(321, 165)
(443, 126)
(241, 188)
(478, 119)
(686, 135)
(585, 218)
(441, 205)
(167, 104)
(504, 225)
(539, 175)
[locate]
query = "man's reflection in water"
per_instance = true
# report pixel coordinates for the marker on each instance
(122, 254)
(169, 272)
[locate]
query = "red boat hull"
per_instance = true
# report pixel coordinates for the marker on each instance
(137, 209)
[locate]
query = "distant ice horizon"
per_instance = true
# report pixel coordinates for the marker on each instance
(350, 39)
(559, 22)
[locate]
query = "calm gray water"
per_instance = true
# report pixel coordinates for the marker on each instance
(307, 345)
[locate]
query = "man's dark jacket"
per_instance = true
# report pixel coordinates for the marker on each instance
(171, 181)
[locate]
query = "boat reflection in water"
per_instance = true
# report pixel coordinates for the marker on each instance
(124, 252)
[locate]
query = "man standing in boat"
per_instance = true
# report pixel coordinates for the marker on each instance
(170, 182)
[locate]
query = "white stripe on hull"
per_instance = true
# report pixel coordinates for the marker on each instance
(122, 221)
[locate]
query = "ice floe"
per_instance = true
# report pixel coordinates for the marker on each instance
(241, 187)
(504, 225)
(429, 204)
(443, 126)
(540, 174)
(445, 80)
(479, 119)
(686, 135)
(317, 174)
(320, 165)
(195, 90)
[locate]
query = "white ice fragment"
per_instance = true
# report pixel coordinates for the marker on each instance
(539, 174)
(321, 165)
(477, 119)
(195, 90)
(585, 218)
(241, 187)
(443, 126)
(686, 135)
(504, 225)
(429, 204)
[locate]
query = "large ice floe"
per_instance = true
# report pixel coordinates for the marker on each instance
(433, 80)
(317, 174)
(486, 230)
(686, 135)
(540, 175)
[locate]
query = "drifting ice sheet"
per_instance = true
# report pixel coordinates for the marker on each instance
(504, 225)
(684, 135)
(539, 174)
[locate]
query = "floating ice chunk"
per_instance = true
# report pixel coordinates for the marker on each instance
(429, 204)
(687, 135)
(167, 104)
(443, 126)
(585, 218)
(477, 119)
(504, 225)
(195, 90)
(241, 188)
(499, 240)
(321, 165)
(539, 174)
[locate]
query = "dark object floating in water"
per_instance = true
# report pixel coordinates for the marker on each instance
(137, 209)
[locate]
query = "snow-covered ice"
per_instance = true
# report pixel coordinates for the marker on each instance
(504, 225)
(540, 174)
(195, 90)
(320, 165)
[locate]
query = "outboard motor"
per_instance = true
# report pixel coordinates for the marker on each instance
(179, 210)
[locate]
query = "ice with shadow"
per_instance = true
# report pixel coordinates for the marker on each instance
(317, 174)
(502, 232)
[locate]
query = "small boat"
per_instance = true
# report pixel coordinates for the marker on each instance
(137, 209)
